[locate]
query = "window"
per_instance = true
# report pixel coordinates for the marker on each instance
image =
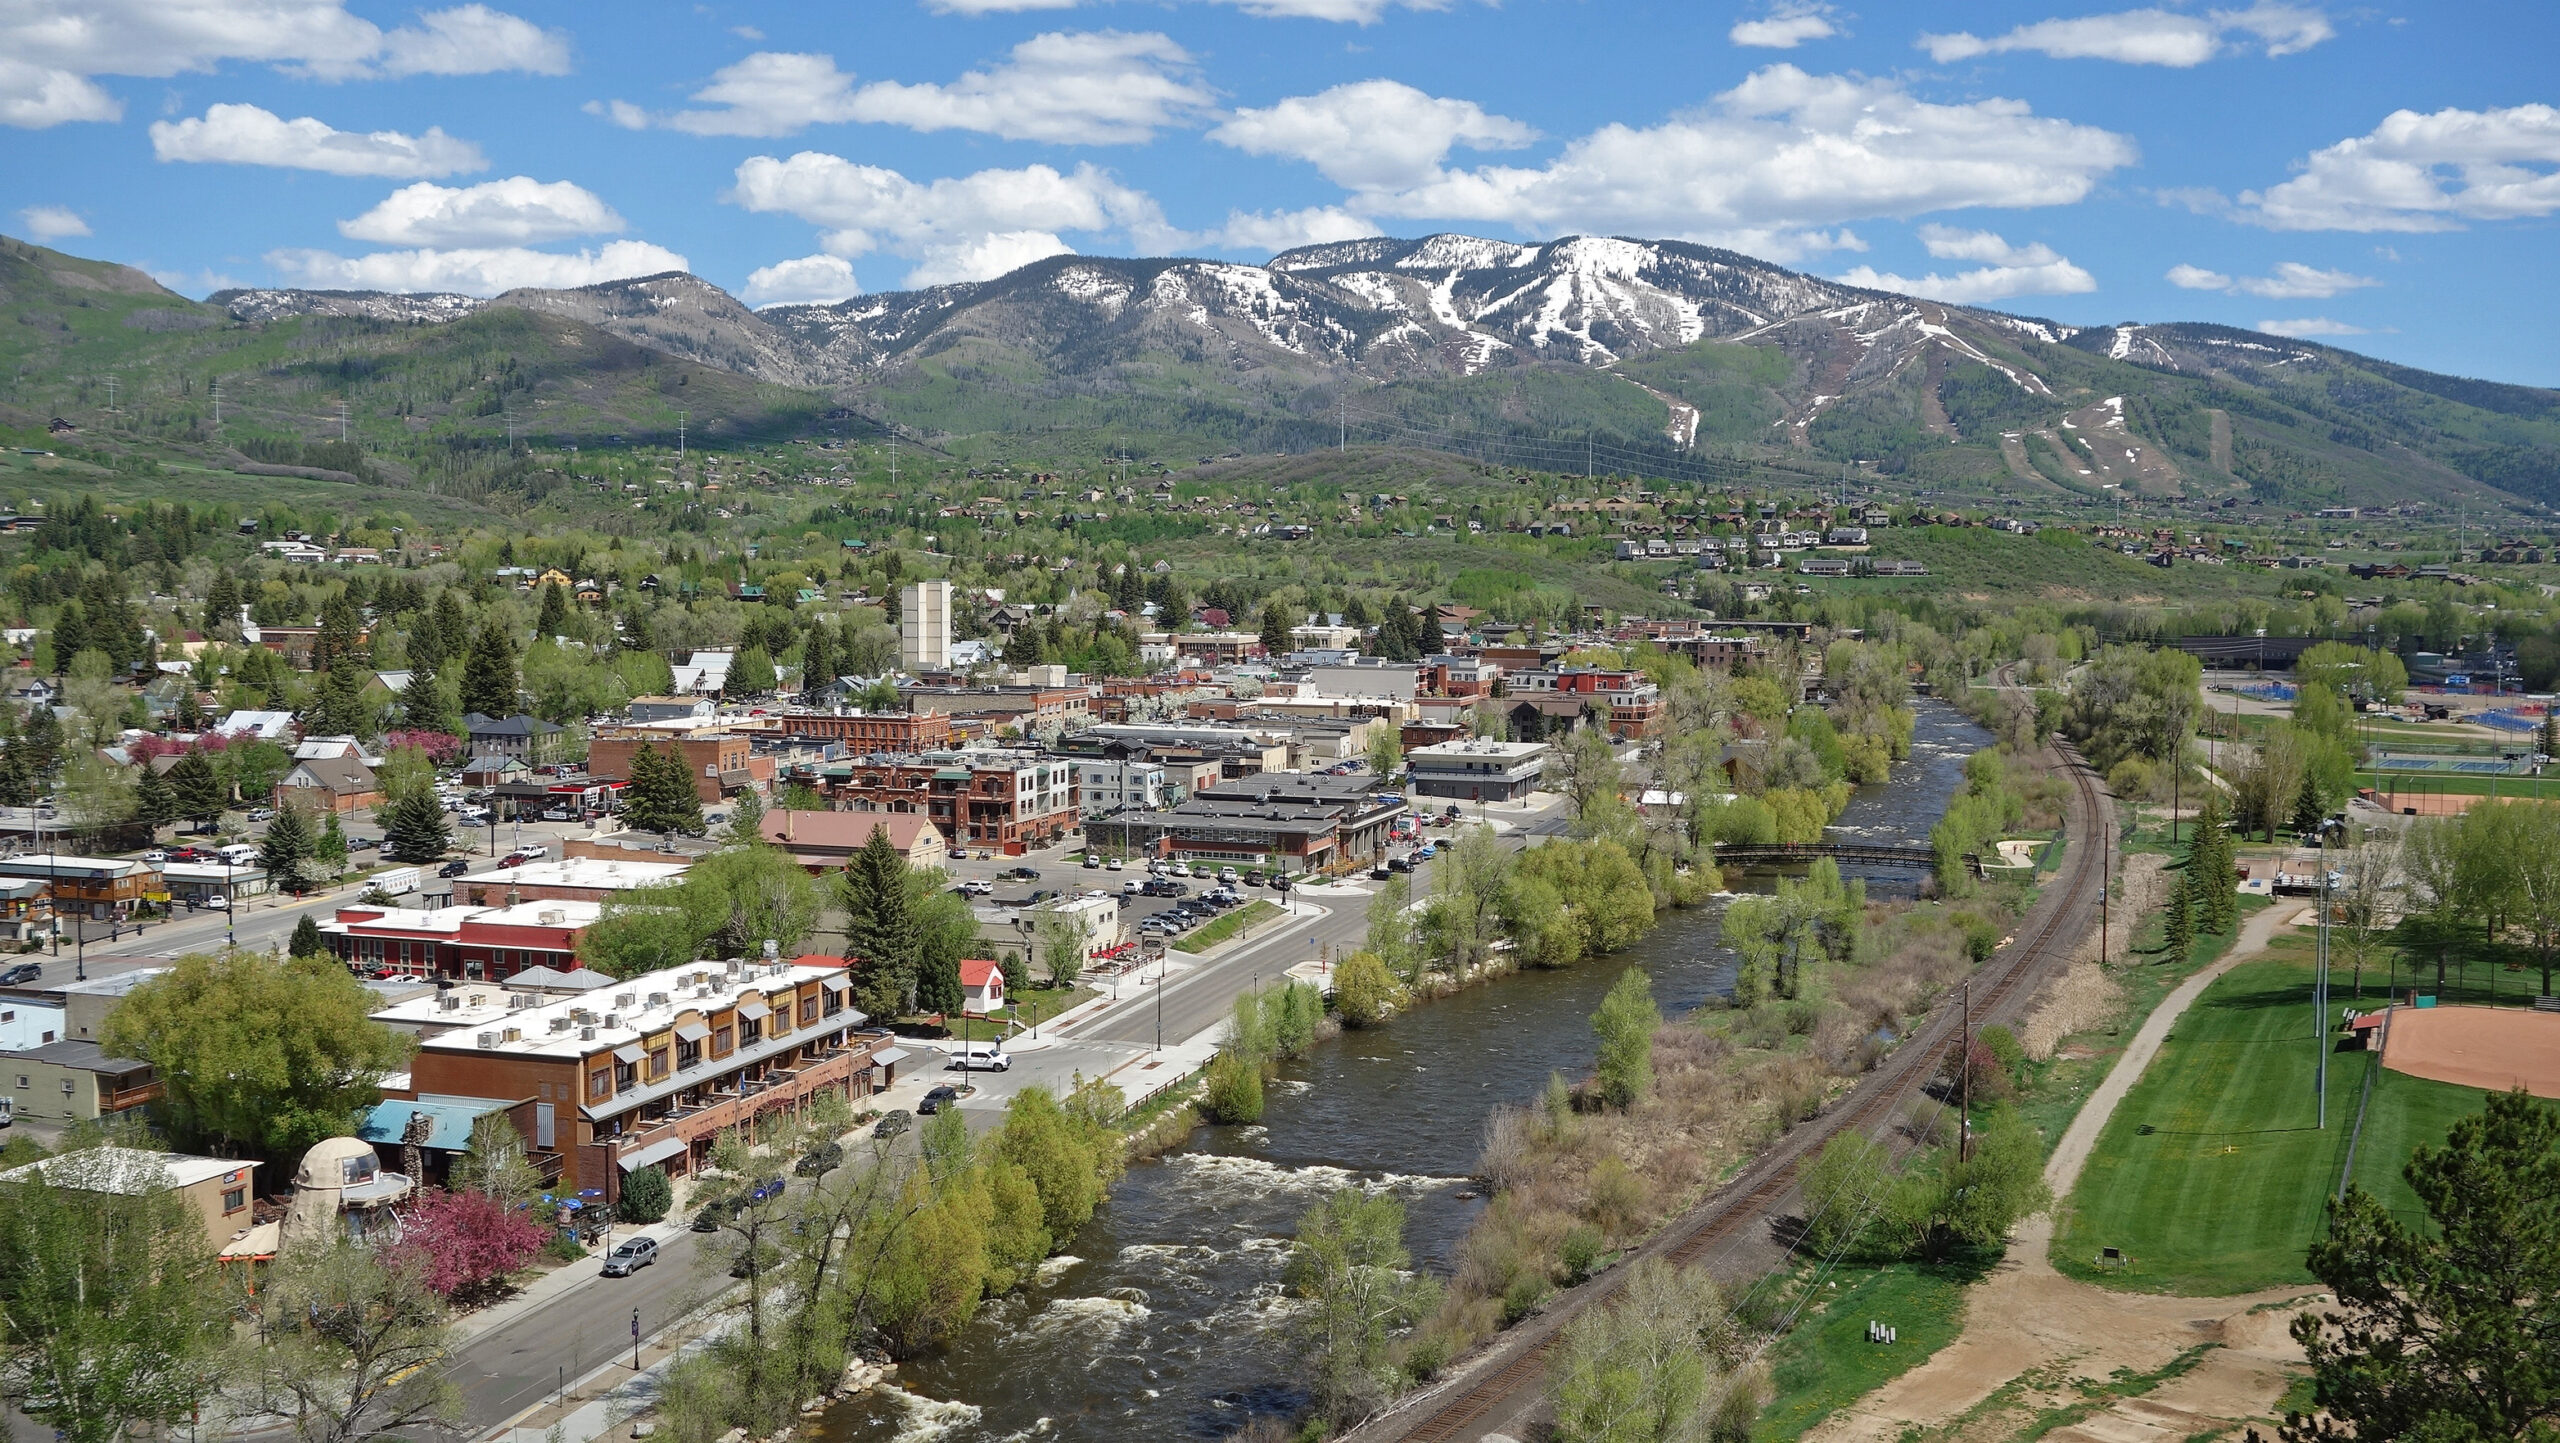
(720, 1043)
(750, 1032)
(600, 1083)
(808, 1010)
(234, 1200)
(657, 1063)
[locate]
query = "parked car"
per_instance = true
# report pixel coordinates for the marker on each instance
(936, 1099)
(1253, 878)
(1226, 874)
(513, 859)
(155, 856)
(559, 814)
(975, 887)
(21, 974)
(1114, 864)
(1177, 869)
(631, 1257)
(713, 1215)
(364, 844)
(256, 814)
(893, 1122)
(1279, 883)
(1090, 862)
(1399, 864)
(980, 1057)
(1381, 873)
(216, 903)
(1019, 874)
(825, 1158)
(772, 1187)
(1133, 887)
(456, 868)
(188, 854)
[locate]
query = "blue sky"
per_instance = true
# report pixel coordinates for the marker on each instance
(2384, 178)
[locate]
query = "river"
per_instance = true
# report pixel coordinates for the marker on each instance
(1166, 1318)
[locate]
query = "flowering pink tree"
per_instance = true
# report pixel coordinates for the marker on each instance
(442, 748)
(463, 1245)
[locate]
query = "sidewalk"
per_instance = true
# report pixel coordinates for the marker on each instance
(561, 1279)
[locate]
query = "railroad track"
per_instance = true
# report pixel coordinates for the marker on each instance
(1508, 1382)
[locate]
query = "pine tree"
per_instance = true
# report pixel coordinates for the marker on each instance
(880, 927)
(195, 793)
(660, 794)
(1275, 631)
(289, 843)
(337, 705)
(190, 711)
(751, 674)
(222, 602)
(2209, 868)
(153, 804)
(415, 830)
(307, 941)
(817, 663)
(341, 635)
(2180, 921)
(423, 706)
(489, 684)
(554, 616)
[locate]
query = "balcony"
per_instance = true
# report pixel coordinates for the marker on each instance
(719, 1109)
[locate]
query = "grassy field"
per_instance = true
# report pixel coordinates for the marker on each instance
(1825, 1362)
(2456, 785)
(2212, 1174)
(1236, 923)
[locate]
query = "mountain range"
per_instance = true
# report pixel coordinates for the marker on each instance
(1610, 353)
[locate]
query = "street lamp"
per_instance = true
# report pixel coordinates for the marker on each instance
(2329, 826)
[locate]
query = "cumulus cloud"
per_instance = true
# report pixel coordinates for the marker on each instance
(55, 50)
(516, 211)
(476, 271)
(1356, 12)
(1767, 164)
(2311, 326)
(2419, 172)
(1372, 134)
(1785, 27)
(248, 135)
(2290, 281)
(808, 280)
(2147, 37)
(1274, 232)
(2034, 269)
(955, 228)
(1096, 88)
(52, 222)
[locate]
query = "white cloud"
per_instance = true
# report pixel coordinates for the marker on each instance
(2290, 281)
(52, 222)
(954, 226)
(2146, 37)
(1372, 134)
(1277, 231)
(55, 49)
(475, 271)
(621, 112)
(2311, 326)
(985, 257)
(1356, 12)
(1096, 88)
(248, 135)
(2034, 269)
(1768, 163)
(2422, 173)
(474, 40)
(1785, 27)
(516, 211)
(809, 280)
(1102, 88)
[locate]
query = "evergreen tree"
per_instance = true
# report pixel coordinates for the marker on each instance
(554, 615)
(289, 843)
(17, 779)
(938, 989)
(415, 830)
(337, 705)
(307, 941)
(222, 602)
(817, 663)
(880, 927)
(746, 820)
(489, 683)
(153, 803)
(423, 706)
(341, 635)
(2180, 920)
(1275, 631)
(660, 796)
(43, 740)
(190, 716)
(70, 635)
(195, 793)
(751, 674)
(2210, 868)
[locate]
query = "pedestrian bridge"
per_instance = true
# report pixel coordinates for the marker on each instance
(1781, 854)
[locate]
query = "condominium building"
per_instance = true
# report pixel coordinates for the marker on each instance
(924, 626)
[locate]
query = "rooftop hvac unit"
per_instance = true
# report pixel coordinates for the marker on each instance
(622, 1001)
(515, 1034)
(657, 999)
(519, 1001)
(488, 1039)
(551, 917)
(613, 1019)
(560, 1024)
(447, 1002)
(586, 1034)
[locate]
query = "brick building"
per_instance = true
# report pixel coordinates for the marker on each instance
(982, 801)
(895, 731)
(655, 1070)
(466, 942)
(721, 763)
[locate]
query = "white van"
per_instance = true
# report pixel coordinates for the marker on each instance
(238, 854)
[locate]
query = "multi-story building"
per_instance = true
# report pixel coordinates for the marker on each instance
(69, 1080)
(1111, 784)
(1628, 700)
(987, 801)
(1477, 769)
(893, 731)
(653, 1072)
(102, 889)
(217, 1189)
(1031, 709)
(529, 739)
(722, 763)
(924, 626)
(491, 943)
(1297, 821)
(571, 879)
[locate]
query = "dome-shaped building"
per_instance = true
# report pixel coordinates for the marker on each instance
(341, 1185)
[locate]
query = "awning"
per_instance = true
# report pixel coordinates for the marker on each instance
(888, 1055)
(630, 1052)
(693, 1031)
(659, 1151)
(752, 1005)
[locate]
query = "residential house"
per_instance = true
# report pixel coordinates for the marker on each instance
(333, 784)
(981, 987)
(218, 1190)
(529, 739)
(825, 841)
(72, 1080)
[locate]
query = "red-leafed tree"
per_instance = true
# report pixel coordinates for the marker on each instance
(442, 748)
(463, 1245)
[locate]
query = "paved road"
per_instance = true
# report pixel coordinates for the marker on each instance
(516, 1366)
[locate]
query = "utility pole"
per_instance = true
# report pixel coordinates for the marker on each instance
(217, 400)
(679, 442)
(111, 395)
(1964, 1080)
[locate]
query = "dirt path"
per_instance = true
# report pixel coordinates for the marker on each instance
(2036, 1341)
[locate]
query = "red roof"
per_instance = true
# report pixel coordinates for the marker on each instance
(819, 959)
(976, 971)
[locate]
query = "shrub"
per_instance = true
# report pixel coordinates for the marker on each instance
(646, 1196)
(1625, 1022)
(1580, 1253)
(1363, 990)
(1524, 1295)
(1618, 1196)
(1234, 1093)
(2005, 1046)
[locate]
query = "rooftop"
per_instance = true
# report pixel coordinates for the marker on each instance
(127, 1170)
(592, 873)
(634, 1009)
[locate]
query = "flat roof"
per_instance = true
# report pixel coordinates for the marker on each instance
(1477, 747)
(593, 873)
(644, 1005)
(129, 1170)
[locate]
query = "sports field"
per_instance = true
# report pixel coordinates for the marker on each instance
(2212, 1174)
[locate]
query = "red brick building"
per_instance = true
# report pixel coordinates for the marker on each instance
(466, 942)
(872, 731)
(980, 801)
(721, 763)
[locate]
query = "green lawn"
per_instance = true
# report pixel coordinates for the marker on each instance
(1034, 1005)
(2212, 1174)
(1825, 1362)
(2456, 785)
(1252, 914)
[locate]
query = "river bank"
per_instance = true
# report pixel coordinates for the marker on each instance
(1171, 1321)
